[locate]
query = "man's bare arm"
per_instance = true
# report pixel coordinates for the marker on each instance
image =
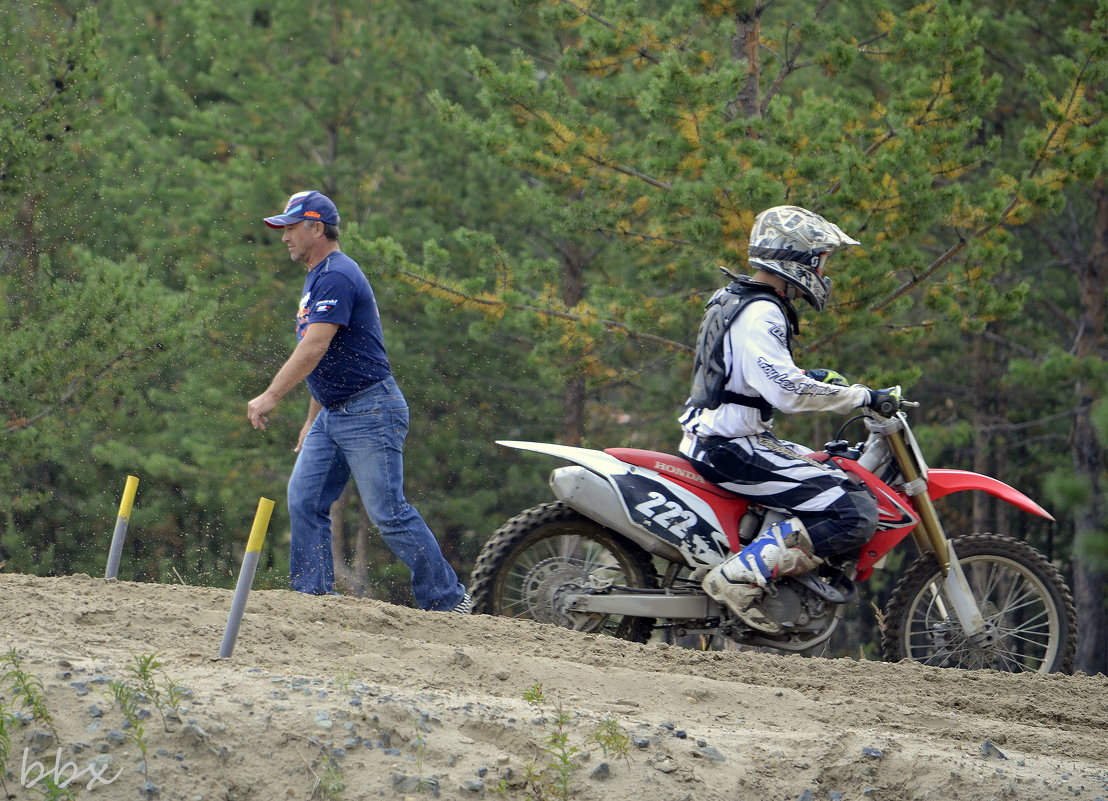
(309, 350)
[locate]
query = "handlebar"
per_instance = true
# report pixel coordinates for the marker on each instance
(888, 402)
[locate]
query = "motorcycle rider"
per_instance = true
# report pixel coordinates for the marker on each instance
(743, 371)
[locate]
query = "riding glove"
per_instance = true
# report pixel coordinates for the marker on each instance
(827, 377)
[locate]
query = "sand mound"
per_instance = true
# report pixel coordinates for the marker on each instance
(344, 698)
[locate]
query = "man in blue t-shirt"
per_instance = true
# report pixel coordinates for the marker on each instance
(357, 416)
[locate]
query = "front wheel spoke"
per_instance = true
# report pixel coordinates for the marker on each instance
(1021, 636)
(1017, 592)
(991, 579)
(1025, 632)
(924, 634)
(961, 649)
(1031, 600)
(1031, 623)
(1018, 661)
(935, 658)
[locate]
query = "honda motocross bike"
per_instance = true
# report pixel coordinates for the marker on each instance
(633, 532)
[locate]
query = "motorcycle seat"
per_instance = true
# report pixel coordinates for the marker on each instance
(676, 467)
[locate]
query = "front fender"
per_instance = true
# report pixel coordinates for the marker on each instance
(944, 482)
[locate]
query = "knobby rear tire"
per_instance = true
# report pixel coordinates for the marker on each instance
(1017, 590)
(550, 550)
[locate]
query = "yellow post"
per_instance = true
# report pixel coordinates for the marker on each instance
(246, 575)
(121, 522)
(261, 525)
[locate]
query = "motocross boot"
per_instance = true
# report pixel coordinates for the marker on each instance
(783, 549)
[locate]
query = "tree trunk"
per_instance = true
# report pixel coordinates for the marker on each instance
(349, 580)
(744, 50)
(981, 422)
(998, 444)
(573, 411)
(1088, 452)
(26, 259)
(573, 396)
(1089, 580)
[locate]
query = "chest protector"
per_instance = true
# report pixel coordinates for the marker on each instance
(710, 371)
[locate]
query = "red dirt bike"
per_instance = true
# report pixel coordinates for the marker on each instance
(590, 561)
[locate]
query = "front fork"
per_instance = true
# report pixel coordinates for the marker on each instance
(929, 536)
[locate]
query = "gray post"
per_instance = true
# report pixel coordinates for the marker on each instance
(115, 553)
(238, 603)
(246, 576)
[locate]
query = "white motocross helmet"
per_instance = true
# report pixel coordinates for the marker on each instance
(793, 244)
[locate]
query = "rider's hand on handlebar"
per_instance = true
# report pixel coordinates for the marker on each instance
(826, 376)
(885, 402)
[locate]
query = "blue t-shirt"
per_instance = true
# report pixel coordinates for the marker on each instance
(337, 291)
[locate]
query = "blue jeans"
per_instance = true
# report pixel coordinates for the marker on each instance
(363, 438)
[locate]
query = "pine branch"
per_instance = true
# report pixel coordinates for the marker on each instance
(629, 171)
(1009, 427)
(960, 245)
(591, 15)
(643, 53)
(595, 159)
(644, 237)
(492, 305)
(70, 393)
(932, 268)
(789, 65)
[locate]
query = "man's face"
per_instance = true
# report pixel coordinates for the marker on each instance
(299, 238)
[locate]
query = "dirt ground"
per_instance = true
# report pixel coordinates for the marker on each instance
(344, 698)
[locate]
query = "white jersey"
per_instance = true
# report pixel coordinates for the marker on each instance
(757, 354)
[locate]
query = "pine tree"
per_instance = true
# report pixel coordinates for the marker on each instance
(664, 129)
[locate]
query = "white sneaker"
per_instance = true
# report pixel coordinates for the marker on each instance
(464, 606)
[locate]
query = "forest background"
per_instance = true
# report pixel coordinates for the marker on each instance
(541, 194)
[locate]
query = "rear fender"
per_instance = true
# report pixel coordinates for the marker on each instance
(659, 514)
(597, 461)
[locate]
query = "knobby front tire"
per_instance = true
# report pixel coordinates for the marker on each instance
(540, 555)
(1017, 590)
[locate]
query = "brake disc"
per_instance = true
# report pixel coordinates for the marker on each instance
(544, 585)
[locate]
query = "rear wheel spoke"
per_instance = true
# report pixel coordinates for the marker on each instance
(533, 562)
